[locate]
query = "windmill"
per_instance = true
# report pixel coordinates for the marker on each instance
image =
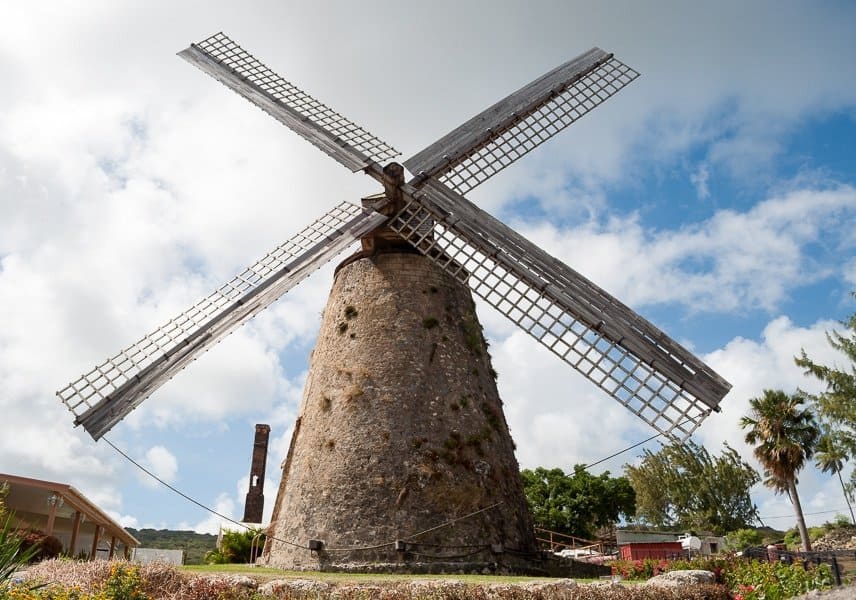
(425, 240)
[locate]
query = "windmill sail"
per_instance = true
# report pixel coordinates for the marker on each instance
(231, 65)
(105, 395)
(520, 122)
(618, 350)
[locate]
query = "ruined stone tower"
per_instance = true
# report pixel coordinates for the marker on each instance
(400, 430)
(254, 504)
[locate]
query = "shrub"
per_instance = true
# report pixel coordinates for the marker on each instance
(758, 580)
(125, 583)
(747, 579)
(792, 536)
(101, 580)
(235, 547)
(45, 546)
(743, 538)
(13, 554)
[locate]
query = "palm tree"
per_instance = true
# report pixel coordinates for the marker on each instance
(831, 457)
(786, 434)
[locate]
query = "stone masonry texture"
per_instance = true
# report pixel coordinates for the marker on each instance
(254, 503)
(400, 429)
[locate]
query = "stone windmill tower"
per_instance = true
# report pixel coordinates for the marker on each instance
(401, 451)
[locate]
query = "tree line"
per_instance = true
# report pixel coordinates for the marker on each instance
(683, 486)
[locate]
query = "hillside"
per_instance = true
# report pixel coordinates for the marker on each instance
(195, 545)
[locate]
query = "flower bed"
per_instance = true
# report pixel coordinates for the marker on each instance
(747, 579)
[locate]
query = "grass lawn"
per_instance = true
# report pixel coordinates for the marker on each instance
(267, 573)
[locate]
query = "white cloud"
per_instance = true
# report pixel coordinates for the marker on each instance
(732, 262)
(224, 504)
(848, 269)
(699, 180)
(162, 463)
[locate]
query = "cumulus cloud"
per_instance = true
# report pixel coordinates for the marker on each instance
(224, 504)
(699, 180)
(162, 463)
(733, 261)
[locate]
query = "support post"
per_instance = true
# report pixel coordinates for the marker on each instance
(52, 513)
(75, 529)
(95, 542)
(112, 546)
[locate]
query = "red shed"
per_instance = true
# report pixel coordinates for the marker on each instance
(640, 550)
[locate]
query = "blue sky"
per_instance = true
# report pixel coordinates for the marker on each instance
(716, 195)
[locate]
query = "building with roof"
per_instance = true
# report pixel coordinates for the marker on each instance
(635, 545)
(59, 510)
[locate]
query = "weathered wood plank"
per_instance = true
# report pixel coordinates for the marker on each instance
(327, 142)
(479, 130)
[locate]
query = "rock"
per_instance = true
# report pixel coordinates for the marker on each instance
(431, 588)
(555, 589)
(841, 538)
(561, 588)
(679, 578)
(291, 587)
(241, 581)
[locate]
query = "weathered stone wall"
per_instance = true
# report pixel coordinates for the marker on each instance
(401, 428)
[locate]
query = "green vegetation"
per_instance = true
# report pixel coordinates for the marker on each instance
(683, 487)
(746, 579)
(836, 406)
(578, 503)
(473, 337)
(792, 536)
(743, 538)
(785, 433)
(195, 545)
(13, 555)
(760, 580)
(237, 546)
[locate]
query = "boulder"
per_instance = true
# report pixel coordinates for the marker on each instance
(680, 578)
(288, 588)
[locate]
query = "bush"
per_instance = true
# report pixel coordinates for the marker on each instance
(236, 547)
(792, 536)
(743, 538)
(13, 555)
(639, 569)
(758, 580)
(748, 579)
(45, 546)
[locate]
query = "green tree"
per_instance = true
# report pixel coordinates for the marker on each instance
(785, 434)
(579, 503)
(743, 538)
(836, 406)
(830, 457)
(683, 486)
